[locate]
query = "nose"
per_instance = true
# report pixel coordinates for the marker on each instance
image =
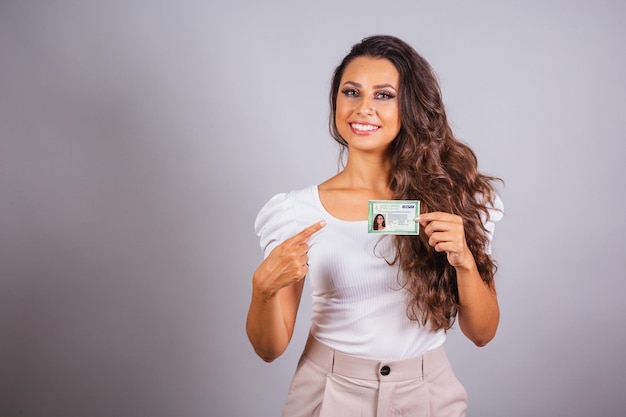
(365, 107)
(366, 110)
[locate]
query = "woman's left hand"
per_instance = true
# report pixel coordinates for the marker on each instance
(446, 234)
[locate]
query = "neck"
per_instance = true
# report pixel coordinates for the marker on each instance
(368, 172)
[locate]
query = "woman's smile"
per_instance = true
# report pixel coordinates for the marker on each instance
(364, 128)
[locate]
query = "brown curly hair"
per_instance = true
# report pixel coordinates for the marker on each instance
(431, 165)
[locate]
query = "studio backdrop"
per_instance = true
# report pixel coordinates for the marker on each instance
(139, 139)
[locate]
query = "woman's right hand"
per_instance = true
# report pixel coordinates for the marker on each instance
(286, 264)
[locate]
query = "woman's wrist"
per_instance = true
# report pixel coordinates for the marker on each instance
(260, 288)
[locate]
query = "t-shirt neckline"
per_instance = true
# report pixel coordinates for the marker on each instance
(318, 201)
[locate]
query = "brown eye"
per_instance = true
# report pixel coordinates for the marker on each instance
(385, 95)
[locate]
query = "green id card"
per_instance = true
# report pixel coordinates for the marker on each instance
(393, 217)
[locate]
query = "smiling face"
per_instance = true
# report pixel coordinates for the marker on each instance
(367, 114)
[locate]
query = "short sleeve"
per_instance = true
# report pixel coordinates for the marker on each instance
(495, 214)
(275, 222)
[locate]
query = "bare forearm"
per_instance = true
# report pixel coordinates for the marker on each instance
(479, 313)
(266, 328)
(271, 319)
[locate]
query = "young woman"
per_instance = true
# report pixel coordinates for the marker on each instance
(381, 304)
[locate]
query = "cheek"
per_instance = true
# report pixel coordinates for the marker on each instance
(342, 113)
(342, 110)
(392, 116)
(392, 112)
(340, 124)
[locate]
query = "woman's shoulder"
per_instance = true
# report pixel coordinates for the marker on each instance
(495, 212)
(334, 183)
(284, 215)
(283, 200)
(495, 207)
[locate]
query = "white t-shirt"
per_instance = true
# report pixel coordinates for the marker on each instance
(358, 304)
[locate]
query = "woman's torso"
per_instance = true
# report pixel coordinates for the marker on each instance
(359, 306)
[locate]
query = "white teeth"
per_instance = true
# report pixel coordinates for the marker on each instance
(365, 128)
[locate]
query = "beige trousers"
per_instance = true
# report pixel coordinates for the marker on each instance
(329, 383)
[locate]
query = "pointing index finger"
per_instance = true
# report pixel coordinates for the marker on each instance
(305, 234)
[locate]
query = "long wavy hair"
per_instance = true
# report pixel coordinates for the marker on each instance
(431, 165)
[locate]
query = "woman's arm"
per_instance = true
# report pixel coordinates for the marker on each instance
(276, 291)
(479, 312)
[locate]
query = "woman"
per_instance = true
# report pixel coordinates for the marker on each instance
(381, 304)
(379, 222)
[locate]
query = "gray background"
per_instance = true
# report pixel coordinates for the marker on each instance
(140, 138)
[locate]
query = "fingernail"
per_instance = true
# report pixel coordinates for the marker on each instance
(417, 219)
(323, 223)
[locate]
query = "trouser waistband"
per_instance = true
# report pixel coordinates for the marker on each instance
(340, 363)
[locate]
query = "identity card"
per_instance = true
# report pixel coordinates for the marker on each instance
(394, 217)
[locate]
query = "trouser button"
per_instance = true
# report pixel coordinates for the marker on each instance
(385, 370)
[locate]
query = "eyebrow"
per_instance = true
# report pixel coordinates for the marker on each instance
(376, 87)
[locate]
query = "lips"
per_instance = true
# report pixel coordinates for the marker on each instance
(364, 128)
